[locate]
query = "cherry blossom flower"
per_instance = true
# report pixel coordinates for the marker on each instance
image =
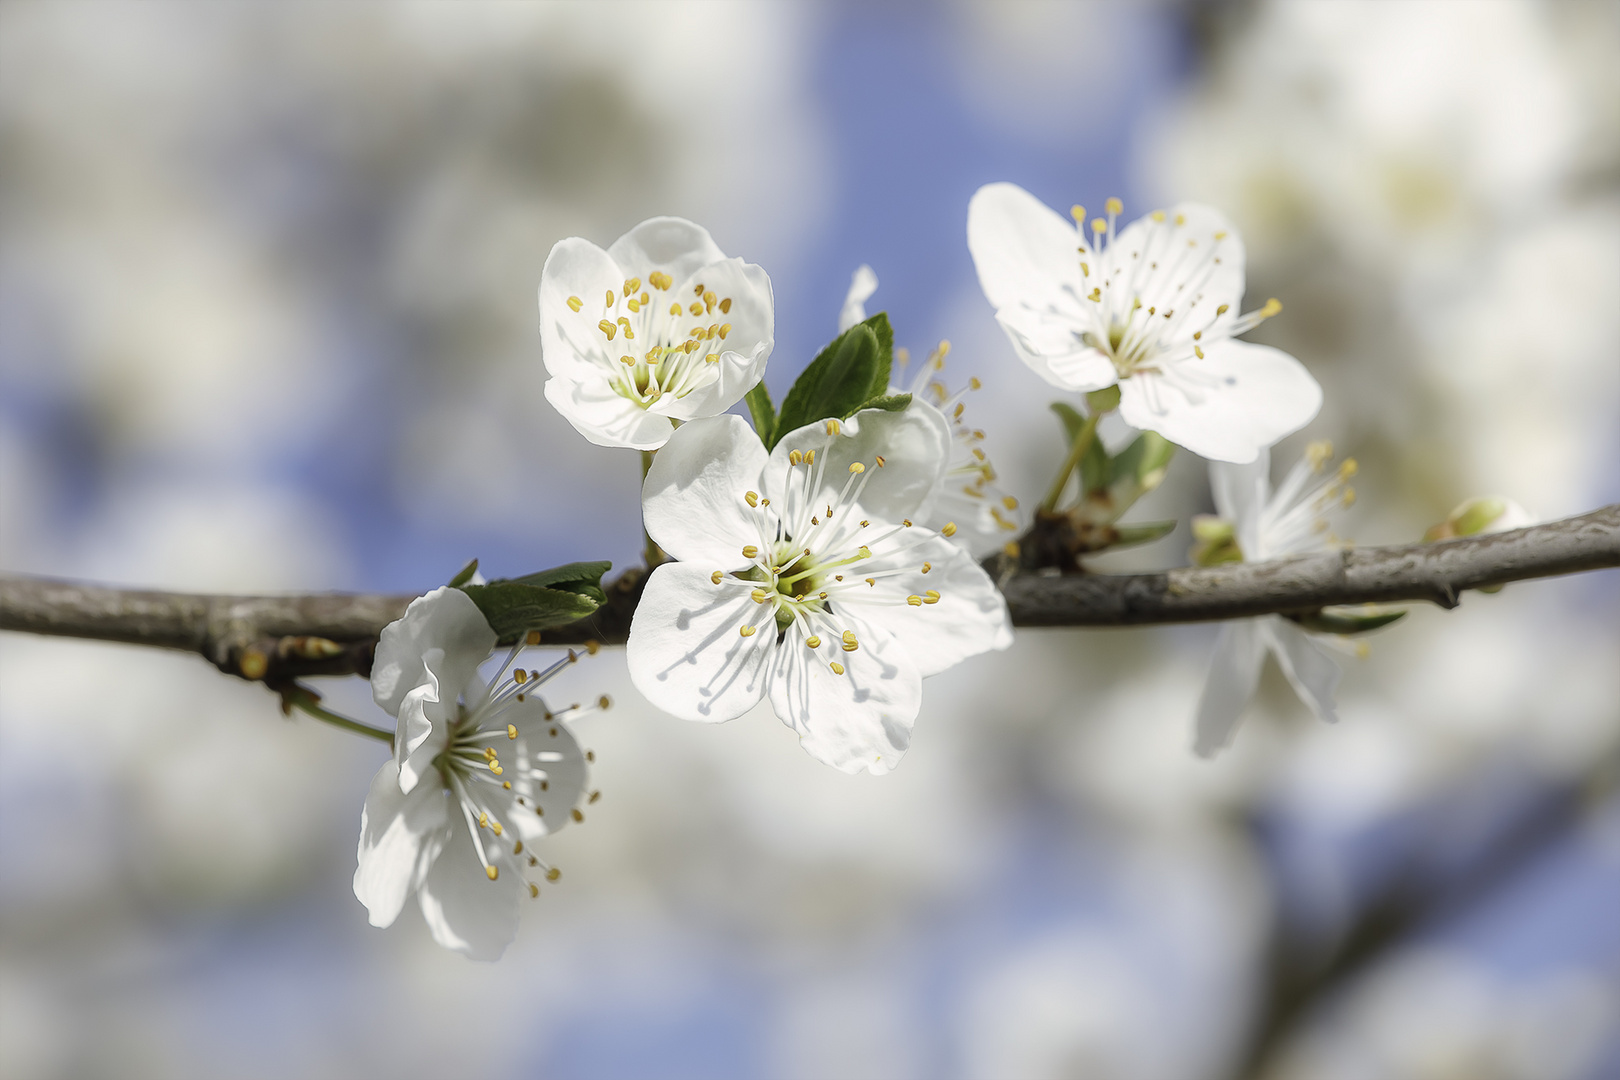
(986, 515)
(660, 327)
(1256, 524)
(803, 577)
(481, 770)
(1152, 308)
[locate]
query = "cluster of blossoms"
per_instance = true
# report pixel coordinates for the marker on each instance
(831, 568)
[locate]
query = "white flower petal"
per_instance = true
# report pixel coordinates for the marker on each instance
(746, 346)
(1186, 254)
(686, 653)
(1313, 674)
(446, 619)
(969, 618)
(604, 416)
(860, 720)
(674, 245)
(862, 285)
(914, 443)
(1241, 492)
(1245, 398)
(400, 837)
(1026, 254)
(1233, 674)
(693, 499)
(423, 729)
(578, 268)
(546, 743)
(465, 910)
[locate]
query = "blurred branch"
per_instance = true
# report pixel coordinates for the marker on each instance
(276, 639)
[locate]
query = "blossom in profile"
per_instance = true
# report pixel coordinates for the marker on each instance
(1255, 524)
(986, 516)
(481, 770)
(1152, 307)
(661, 327)
(804, 576)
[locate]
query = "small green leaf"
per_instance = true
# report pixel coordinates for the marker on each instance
(582, 578)
(513, 608)
(1071, 419)
(849, 372)
(465, 575)
(1347, 620)
(763, 412)
(1142, 534)
(1142, 464)
(888, 403)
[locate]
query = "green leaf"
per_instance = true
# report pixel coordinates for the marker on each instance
(465, 575)
(1072, 421)
(581, 578)
(1347, 620)
(514, 608)
(888, 403)
(763, 412)
(1142, 534)
(849, 372)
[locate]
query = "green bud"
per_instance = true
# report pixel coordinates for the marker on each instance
(1104, 400)
(1215, 541)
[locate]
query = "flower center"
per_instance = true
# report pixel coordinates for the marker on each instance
(816, 558)
(656, 344)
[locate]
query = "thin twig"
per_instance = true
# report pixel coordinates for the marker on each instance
(280, 638)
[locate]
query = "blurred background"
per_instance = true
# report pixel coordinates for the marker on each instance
(267, 322)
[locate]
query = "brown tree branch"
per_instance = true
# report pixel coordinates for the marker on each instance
(280, 638)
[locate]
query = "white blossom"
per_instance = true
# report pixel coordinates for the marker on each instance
(481, 769)
(986, 516)
(1266, 525)
(803, 577)
(660, 327)
(1152, 308)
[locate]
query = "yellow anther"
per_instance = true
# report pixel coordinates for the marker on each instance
(534, 890)
(655, 354)
(856, 467)
(594, 796)
(746, 631)
(517, 847)
(489, 753)
(1222, 310)
(809, 457)
(632, 285)
(712, 358)
(813, 641)
(532, 637)
(974, 383)
(492, 872)
(1198, 335)
(872, 582)
(511, 731)
(927, 566)
(930, 597)
(496, 828)
(696, 308)
(760, 596)
(1095, 295)
(837, 668)
(1349, 499)
(520, 676)
(1157, 215)
(1348, 469)
(495, 767)
(575, 302)
(914, 601)
(674, 309)
(1099, 226)
(864, 523)
(1273, 307)
(1085, 268)
(609, 301)
(1317, 453)
(660, 280)
(1009, 502)
(821, 595)
(1114, 206)
(956, 414)
(850, 641)
(725, 306)
(628, 361)
(906, 522)
(716, 576)
(642, 299)
(949, 529)
(604, 703)
(483, 820)
(553, 874)
(709, 299)
(607, 328)
(698, 290)
(1198, 351)
(795, 458)
(725, 328)
(752, 497)
(1181, 219)
(576, 815)
(507, 784)
(1221, 235)
(833, 428)
(750, 551)
(1078, 212)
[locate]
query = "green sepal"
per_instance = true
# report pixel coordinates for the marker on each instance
(542, 600)
(1139, 468)
(763, 412)
(1347, 621)
(1142, 534)
(1104, 400)
(465, 575)
(888, 403)
(1071, 419)
(849, 372)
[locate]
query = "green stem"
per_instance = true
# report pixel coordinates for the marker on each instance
(650, 551)
(1082, 443)
(303, 699)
